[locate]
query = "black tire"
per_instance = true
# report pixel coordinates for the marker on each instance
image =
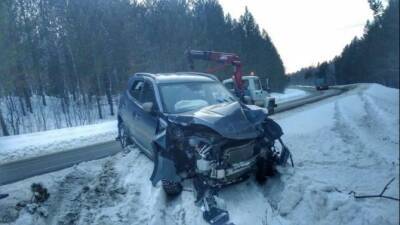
(172, 188)
(261, 177)
(265, 168)
(123, 135)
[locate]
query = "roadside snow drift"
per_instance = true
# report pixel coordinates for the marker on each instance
(289, 94)
(40, 143)
(342, 144)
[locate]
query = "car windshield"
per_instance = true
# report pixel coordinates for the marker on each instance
(183, 97)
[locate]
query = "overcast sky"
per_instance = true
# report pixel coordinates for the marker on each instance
(308, 31)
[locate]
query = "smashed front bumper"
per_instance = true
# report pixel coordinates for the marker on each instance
(232, 174)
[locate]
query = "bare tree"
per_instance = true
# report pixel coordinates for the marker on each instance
(3, 125)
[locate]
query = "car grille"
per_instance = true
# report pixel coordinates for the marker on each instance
(238, 153)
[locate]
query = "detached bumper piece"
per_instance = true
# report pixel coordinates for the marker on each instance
(216, 216)
(285, 155)
(213, 214)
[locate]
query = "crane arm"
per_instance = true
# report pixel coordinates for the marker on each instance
(221, 58)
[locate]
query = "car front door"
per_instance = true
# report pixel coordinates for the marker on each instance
(258, 93)
(147, 121)
(133, 106)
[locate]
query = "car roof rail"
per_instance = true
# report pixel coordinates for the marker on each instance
(154, 75)
(145, 74)
(200, 74)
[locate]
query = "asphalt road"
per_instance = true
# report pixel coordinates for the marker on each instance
(19, 170)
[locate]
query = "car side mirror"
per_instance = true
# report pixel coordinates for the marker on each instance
(148, 107)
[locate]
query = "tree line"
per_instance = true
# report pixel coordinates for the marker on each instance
(81, 53)
(372, 58)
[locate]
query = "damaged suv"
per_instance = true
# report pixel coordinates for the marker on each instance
(191, 126)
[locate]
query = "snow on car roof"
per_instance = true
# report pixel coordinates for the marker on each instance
(244, 78)
(182, 77)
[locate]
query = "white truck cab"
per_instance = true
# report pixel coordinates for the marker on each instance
(254, 93)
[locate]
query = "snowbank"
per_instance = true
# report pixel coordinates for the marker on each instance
(40, 143)
(289, 94)
(341, 144)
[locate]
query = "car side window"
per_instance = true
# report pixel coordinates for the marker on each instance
(148, 95)
(136, 89)
(257, 84)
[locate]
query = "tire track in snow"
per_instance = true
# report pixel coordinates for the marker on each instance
(65, 197)
(103, 191)
(345, 129)
(349, 144)
(153, 207)
(84, 197)
(376, 128)
(374, 121)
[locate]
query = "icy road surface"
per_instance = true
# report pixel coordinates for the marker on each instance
(341, 144)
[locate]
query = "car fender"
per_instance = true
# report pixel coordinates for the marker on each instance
(272, 130)
(164, 168)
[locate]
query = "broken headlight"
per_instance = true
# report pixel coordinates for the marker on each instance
(202, 149)
(201, 145)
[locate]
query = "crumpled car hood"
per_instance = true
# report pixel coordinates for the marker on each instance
(230, 120)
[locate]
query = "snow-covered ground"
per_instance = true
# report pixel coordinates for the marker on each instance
(40, 143)
(342, 144)
(289, 94)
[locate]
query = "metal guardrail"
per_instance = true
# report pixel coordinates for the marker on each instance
(333, 91)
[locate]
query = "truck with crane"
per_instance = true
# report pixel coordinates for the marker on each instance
(247, 88)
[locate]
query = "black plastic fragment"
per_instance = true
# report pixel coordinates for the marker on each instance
(3, 196)
(216, 216)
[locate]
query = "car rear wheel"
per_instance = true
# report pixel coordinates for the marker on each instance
(123, 135)
(172, 188)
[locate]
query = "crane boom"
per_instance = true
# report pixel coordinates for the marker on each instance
(224, 59)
